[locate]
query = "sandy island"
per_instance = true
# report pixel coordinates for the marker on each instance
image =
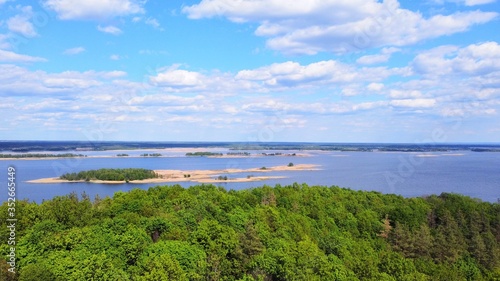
(201, 176)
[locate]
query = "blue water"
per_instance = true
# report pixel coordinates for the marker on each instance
(409, 174)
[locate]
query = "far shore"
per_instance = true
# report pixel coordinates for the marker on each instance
(162, 156)
(201, 176)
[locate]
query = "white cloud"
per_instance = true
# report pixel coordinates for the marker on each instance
(94, 9)
(310, 27)
(166, 100)
(414, 103)
(399, 94)
(4, 42)
(7, 56)
(110, 29)
(177, 78)
(466, 2)
(69, 83)
(114, 57)
(375, 87)
(478, 2)
(22, 23)
(74, 51)
(384, 56)
(476, 60)
(23, 82)
(153, 22)
(290, 74)
(373, 59)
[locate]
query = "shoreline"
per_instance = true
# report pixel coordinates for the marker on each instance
(299, 155)
(201, 176)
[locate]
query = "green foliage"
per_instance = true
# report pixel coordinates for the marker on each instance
(295, 232)
(203, 153)
(41, 155)
(36, 272)
(111, 175)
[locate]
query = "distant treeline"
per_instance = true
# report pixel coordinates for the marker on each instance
(203, 153)
(485, 149)
(111, 175)
(27, 146)
(279, 154)
(151, 155)
(238, 153)
(41, 155)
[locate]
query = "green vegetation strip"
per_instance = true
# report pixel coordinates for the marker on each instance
(41, 155)
(203, 153)
(111, 175)
(294, 232)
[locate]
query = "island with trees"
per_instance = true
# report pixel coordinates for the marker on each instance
(129, 174)
(294, 232)
(139, 175)
(40, 155)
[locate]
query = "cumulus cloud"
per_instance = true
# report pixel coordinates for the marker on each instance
(153, 22)
(11, 57)
(375, 87)
(21, 23)
(466, 2)
(384, 56)
(177, 78)
(110, 29)
(23, 82)
(414, 103)
(478, 2)
(289, 74)
(310, 27)
(476, 60)
(94, 9)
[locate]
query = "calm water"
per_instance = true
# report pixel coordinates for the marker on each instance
(408, 174)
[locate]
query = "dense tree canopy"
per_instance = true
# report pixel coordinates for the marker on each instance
(295, 232)
(111, 175)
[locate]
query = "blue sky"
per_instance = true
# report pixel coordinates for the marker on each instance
(250, 70)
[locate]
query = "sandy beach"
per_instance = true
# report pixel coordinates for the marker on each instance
(201, 176)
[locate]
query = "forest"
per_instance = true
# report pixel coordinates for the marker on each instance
(111, 175)
(41, 155)
(293, 232)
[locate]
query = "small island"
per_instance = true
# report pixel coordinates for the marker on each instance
(135, 175)
(111, 175)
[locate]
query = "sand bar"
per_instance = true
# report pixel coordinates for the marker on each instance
(202, 176)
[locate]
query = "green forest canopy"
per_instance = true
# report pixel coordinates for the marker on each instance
(111, 175)
(294, 232)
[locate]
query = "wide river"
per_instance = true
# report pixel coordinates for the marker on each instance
(476, 174)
